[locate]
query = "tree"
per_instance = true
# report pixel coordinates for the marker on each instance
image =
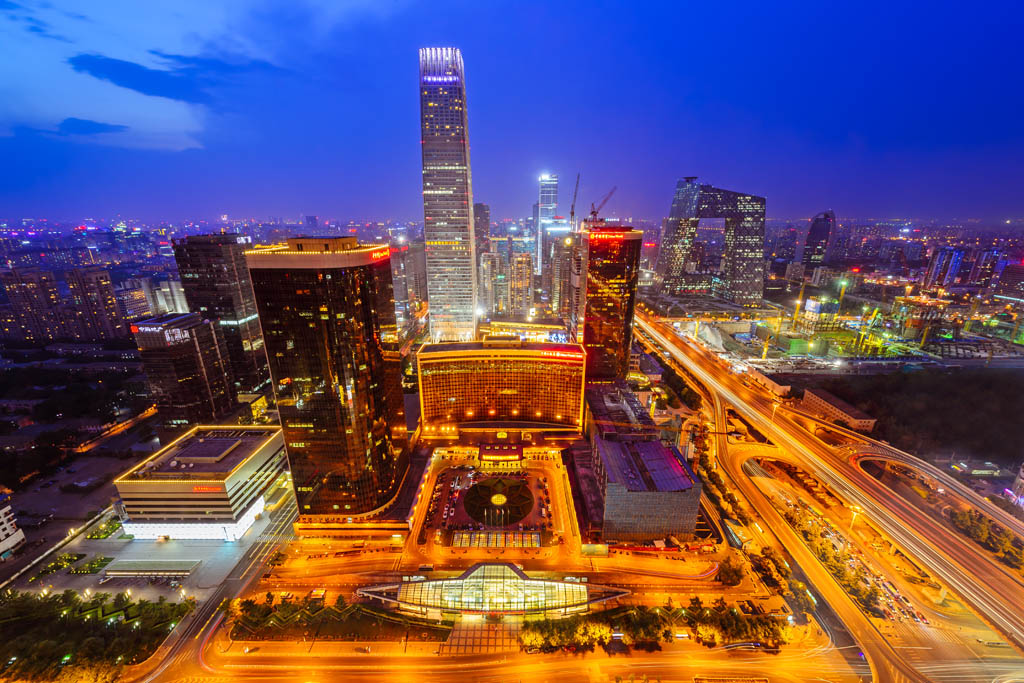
(799, 597)
(531, 639)
(999, 540)
(730, 572)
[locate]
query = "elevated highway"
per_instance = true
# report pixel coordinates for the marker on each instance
(975, 577)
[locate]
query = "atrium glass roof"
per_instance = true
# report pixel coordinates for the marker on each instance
(493, 588)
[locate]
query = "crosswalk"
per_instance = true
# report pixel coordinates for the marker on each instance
(481, 637)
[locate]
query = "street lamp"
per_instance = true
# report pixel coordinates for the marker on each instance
(775, 406)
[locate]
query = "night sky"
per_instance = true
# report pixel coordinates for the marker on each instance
(176, 109)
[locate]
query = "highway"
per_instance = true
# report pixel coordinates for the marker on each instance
(963, 568)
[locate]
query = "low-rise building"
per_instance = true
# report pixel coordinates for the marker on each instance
(647, 489)
(208, 484)
(832, 407)
(11, 537)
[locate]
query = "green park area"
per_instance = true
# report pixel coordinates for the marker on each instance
(646, 628)
(59, 563)
(63, 637)
(923, 412)
(106, 530)
(293, 619)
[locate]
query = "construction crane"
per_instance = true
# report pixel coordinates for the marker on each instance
(799, 300)
(572, 207)
(595, 209)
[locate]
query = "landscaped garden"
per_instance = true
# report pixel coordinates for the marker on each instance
(287, 620)
(62, 637)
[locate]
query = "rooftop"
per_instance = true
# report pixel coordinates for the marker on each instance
(616, 413)
(502, 342)
(204, 452)
(645, 466)
(854, 412)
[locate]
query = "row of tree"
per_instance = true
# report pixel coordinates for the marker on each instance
(983, 531)
(646, 627)
(855, 581)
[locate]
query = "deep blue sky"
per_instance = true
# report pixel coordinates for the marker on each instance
(177, 109)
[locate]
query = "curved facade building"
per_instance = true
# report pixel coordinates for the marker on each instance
(822, 228)
(500, 380)
(327, 312)
(493, 588)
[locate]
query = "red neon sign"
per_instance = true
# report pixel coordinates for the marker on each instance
(380, 254)
(207, 489)
(562, 354)
(606, 235)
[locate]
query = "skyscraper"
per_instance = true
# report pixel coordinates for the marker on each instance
(741, 279)
(983, 269)
(95, 312)
(606, 270)
(187, 369)
(823, 226)
(561, 269)
(520, 285)
(547, 207)
(492, 267)
(216, 283)
(481, 227)
(327, 310)
(944, 267)
(447, 195)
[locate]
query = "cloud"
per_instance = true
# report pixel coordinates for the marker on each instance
(153, 71)
(73, 126)
(155, 82)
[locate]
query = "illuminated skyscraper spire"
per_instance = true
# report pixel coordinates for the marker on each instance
(447, 195)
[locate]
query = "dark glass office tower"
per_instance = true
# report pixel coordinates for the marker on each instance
(448, 229)
(328, 317)
(187, 370)
(606, 270)
(823, 226)
(215, 279)
(741, 279)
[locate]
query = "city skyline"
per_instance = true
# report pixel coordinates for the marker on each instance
(641, 432)
(876, 155)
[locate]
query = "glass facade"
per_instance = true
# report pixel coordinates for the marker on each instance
(547, 206)
(326, 307)
(493, 588)
(742, 276)
(606, 271)
(187, 369)
(822, 227)
(508, 381)
(448, 228)
(216, 283)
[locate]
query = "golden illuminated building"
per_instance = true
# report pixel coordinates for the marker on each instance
(498, 381)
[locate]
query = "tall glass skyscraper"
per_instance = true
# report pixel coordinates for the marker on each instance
(215, 279)
(823, 226)
(327, 311)
(606, 271)
(547, 206)
(742, 277)
(448, 229)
